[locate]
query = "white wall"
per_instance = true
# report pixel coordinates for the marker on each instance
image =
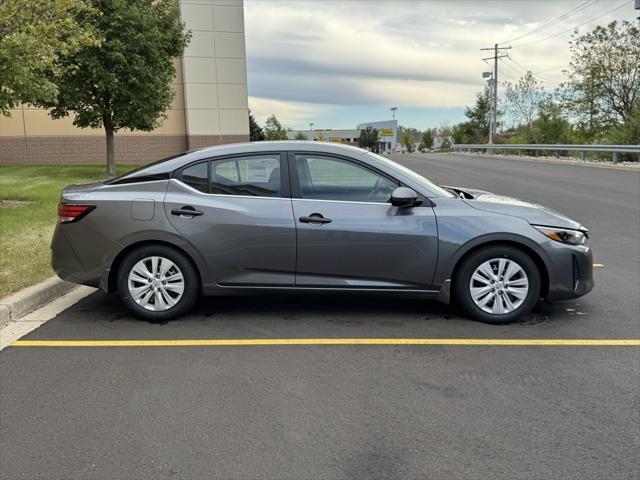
(214, 68)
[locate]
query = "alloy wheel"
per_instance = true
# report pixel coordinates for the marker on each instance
(499, 286)
(156, 283)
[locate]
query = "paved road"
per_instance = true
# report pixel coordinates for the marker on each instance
(349, 411)
(606, 201)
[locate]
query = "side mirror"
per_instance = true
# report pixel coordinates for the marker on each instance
(403, 197)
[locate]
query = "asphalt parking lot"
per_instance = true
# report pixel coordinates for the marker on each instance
(349, 411)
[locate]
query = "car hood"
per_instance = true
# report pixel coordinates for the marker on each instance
(531, 212)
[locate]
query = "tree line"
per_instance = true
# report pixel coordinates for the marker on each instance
(598, 103)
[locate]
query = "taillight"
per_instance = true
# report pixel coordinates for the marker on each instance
(72, 213)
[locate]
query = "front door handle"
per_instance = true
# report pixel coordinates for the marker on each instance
(187, 210)
(315, 218)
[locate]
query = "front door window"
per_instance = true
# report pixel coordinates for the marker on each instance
(329, 178)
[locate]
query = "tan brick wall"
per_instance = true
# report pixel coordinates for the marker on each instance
(139, 149)
(130, 149)
(200, 141)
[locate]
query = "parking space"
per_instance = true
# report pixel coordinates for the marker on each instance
(463, 404)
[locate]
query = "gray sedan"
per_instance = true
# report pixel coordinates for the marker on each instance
(305, 216)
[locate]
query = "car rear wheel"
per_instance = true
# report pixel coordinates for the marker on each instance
(497, 284)
(157, 283)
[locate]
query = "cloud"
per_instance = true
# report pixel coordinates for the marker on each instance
(462, 23)
(289, 113)
(311, 55)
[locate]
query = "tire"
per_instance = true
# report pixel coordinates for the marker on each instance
(169, 295)
(485, 296)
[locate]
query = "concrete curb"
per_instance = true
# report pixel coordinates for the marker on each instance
(28, 299)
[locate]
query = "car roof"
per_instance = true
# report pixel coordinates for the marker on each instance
(305, 145)
(177, 161)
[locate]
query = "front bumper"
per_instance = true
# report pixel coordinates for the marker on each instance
(570, 271)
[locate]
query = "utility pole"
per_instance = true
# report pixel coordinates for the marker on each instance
(494, 107)
(395, 137)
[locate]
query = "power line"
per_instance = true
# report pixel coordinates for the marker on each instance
(510, 77)
(574, 28)
(524, 69)
(513, 69)
(556, 20)
(546, 82)
(550, 69)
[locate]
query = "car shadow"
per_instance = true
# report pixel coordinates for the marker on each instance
(333, 309)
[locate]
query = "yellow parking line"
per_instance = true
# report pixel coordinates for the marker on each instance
(598, 265)
(328, 341)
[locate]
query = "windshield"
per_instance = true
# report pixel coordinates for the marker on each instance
(431, 189)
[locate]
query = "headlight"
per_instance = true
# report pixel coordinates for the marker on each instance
(562, 235)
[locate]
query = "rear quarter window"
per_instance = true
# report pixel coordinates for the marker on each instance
(197, 176)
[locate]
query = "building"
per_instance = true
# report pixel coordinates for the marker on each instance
(387, 133)
(337, 136)
(210, 106)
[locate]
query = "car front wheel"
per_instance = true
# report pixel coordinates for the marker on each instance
(497, 284)
(157, 283)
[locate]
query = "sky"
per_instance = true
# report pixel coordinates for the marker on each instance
(338, 63)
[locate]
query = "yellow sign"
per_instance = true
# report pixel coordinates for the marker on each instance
(385, 132)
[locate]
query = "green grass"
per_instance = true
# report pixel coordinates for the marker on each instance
(26, 227)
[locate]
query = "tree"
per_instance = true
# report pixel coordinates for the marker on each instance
(461, 133)
(476, 129)
(273, 129)
(407, 141)
(34, 35)
(427, 140)
(445, 132)
(255, 131)
(125, 82)
(603, 83)
(369, 139)
(479, 113)
(320, 136)
(523, 100)
(300, 136)
(414, 133)
(551, 126)
(628, 133)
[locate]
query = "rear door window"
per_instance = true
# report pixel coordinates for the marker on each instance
(256, 175)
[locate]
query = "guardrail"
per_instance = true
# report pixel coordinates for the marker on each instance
(583, 149)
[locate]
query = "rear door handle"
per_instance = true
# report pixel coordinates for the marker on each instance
(186, 211)
(315, 218)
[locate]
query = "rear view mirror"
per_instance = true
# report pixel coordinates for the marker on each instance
(403, 197)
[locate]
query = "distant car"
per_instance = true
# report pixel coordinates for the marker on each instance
(309, 216)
